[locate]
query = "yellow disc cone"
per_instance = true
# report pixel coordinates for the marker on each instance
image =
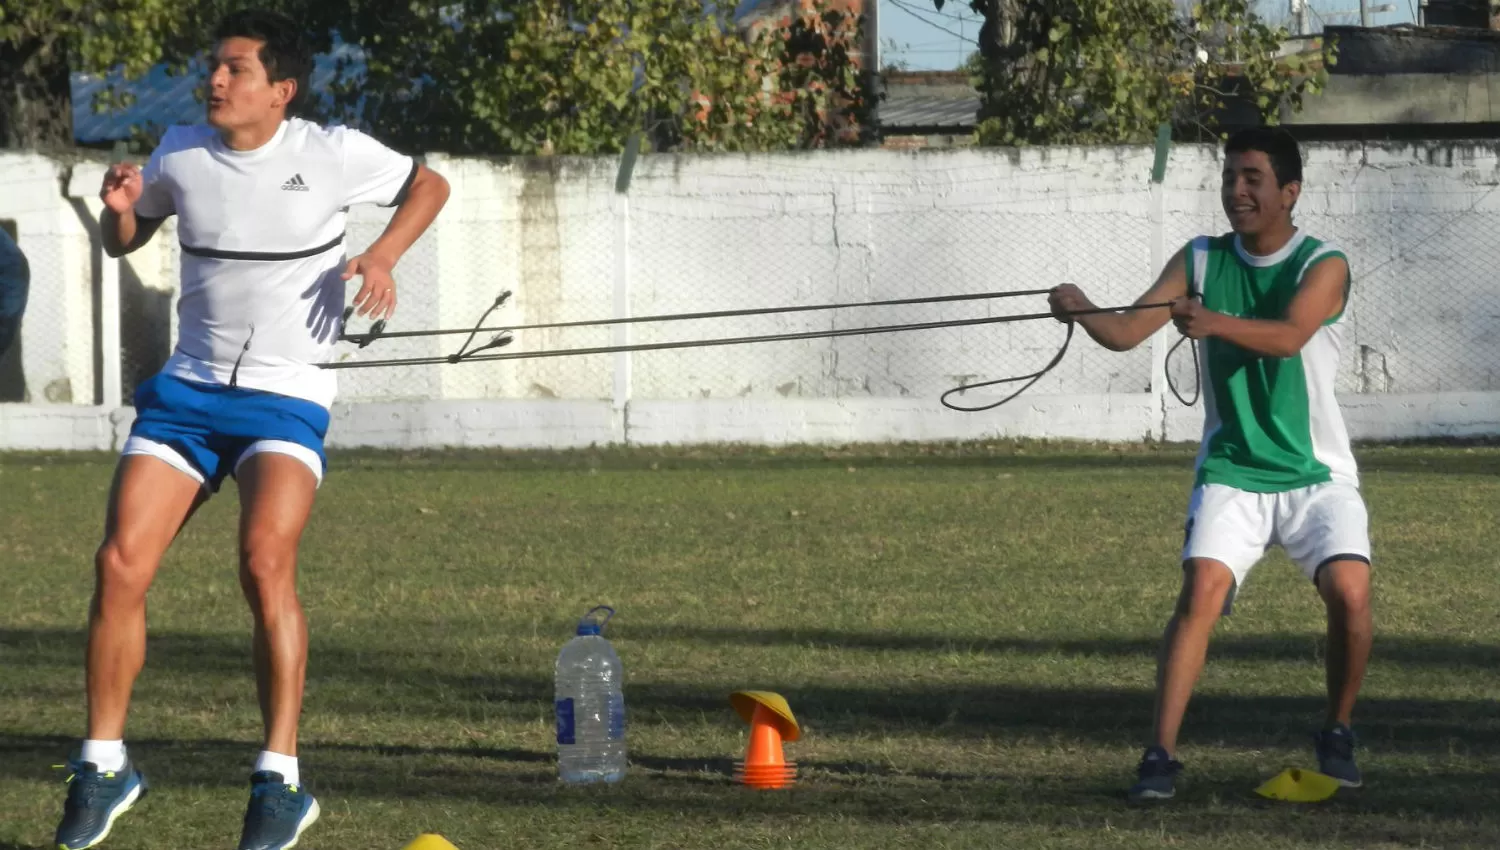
(429, 841)
(745, 702)
(1299, 786)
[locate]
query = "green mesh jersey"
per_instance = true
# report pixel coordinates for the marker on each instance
(1271, 424)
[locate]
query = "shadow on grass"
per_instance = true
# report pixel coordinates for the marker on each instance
(419, 682)
(191, 652)
(1433, 809)
(1416, 651)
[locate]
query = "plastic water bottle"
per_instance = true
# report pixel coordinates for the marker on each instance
(590, 705)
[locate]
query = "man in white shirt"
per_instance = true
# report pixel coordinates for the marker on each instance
(261, 199)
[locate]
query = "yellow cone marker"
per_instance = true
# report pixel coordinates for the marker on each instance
(745, 702)
(1299, 786)
(771, 722)
(430, 841)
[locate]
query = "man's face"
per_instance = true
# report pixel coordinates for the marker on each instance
(1252, 200)
(240, 94)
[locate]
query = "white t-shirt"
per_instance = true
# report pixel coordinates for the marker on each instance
(262, 236)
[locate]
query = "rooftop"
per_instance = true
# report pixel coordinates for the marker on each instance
(928, 100)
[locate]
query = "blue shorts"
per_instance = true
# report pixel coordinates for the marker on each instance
(208, 430)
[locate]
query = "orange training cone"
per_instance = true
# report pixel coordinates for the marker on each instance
(771, 722)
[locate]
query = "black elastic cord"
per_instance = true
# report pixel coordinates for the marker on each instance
(505, 337)
(1034, 376)
(1197, 373)
(740, 340)
(234, 374)
(377, 330)
(695, 343)
(1192, 286)
(713, 314)
(502, 338)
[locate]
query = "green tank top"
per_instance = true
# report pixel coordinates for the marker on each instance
(1271, 424)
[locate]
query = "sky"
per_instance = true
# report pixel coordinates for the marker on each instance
(917, 36)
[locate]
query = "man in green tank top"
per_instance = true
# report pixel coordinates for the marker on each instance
(1267, 304)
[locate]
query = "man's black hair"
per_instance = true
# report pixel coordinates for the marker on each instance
(285, 51)
(1278, 146)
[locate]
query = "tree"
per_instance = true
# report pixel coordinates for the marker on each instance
(1112, 71)
(819, 75)
(997, 36)
(33, 63)
(481, 76)
(581, 76)
(41, 42)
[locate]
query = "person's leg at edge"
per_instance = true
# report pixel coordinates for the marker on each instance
(1345, 587)
(276, 498)
(149, 503)
(1206, 584)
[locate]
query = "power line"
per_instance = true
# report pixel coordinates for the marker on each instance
(920, 15)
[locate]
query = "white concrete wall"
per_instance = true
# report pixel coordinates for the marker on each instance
(57, 338)
(733, 231)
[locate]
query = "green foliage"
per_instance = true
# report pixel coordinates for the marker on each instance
(547, 76)
(821, 77)
(580, 79)
(40, 42)
(512, 76)
(1111, 71)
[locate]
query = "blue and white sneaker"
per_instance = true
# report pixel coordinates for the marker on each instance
(278, 813)
(1335, 747)
(1156, 777)
(96, 799)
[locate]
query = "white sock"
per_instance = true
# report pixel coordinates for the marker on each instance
(105, 755)
(284, 765)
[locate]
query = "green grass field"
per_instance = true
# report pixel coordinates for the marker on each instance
(966, 632)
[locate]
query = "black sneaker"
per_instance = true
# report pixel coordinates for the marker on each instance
(278, 813)
(1335, 747)
(96, 799)
(1156, 777)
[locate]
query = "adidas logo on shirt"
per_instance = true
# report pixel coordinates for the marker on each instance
(295, 184)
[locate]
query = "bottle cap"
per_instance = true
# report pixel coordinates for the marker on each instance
(588, 626)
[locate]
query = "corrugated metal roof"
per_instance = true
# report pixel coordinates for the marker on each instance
(159, 99)
(929, 110)
(926, 100)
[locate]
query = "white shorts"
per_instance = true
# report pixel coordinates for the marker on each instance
(1315, 526)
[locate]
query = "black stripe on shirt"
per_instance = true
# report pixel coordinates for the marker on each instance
(405, 187)
(216, 254)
